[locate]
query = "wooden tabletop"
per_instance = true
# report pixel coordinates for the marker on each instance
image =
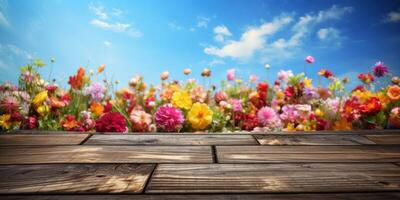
(318, 165)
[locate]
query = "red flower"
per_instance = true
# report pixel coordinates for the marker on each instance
(289, 92)
(262, 87)
(321, 124)
(325, 73)
(111, 122)
(351, 109)
(30, 123)
(108, 107)
(360, 88)
(51, 88)
(371, 107)
(70, 123)
(366, 78)
(249, 122)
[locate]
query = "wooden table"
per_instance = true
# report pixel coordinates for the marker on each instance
(318, 165)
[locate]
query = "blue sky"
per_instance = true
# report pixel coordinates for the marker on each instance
(149, 36)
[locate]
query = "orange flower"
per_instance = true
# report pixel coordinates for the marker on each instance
(394, 93)
(76, 82)
(101, 68)
(342, 125)
(56, 103)
(96, 108)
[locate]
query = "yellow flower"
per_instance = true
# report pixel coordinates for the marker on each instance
(200, 116)
(363, 96)
(181, 99)
(43, 110)
(280, 95)
(307, 82)
(39, 98)
(319, 113)
(5, 121)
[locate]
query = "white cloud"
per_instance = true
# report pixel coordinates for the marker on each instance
(216, 62)
(175, 26)
(328, 33)
(98, 10)
(252, 39)
(305, 25)
(220, 33)
(10, 53)
(107, 43)
(117, 12)
(3, 20)
(103, 21)
(202, 22)
(392, 17)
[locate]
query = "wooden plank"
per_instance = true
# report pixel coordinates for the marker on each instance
(335, 196)
(75, 178)
(55, 139)
(104, 154)
(172, 140)
(385, 139)
(281, 154)
(312, 139)
(274, 178)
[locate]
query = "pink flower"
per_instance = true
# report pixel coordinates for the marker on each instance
(253, 78)
(289, 113)
(267, 117)
(198, 94)
(169, 118)
(164, 75)
(237, 105)
(140, 120)
(310, 59)
(230, 74)
(285, 75)
(9, 104)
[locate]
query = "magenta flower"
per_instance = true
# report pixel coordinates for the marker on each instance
(169, 118)
(9, 104)
(289, 113)
(310, 59)
(268, 117)
(380, 69)
(230, 74)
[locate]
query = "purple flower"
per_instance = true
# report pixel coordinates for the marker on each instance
(380, 69)
(96, 92)
(169, 118)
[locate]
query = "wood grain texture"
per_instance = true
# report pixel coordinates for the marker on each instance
(385, 139)
(55, 139)
(74, 178)
(104, 154)
(282, 154)
(347, 196)
(310, 139)
(274, 178)
(172, 140)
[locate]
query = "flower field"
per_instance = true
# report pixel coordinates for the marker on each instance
(293, 102)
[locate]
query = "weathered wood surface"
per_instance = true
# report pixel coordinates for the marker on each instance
(335, 196)
(281, 154)
(315, 165)
(273, 178)
(29, 139)
(199, 139)
(310, 139)
(83, 178)
(385, 139)
(104, 154)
